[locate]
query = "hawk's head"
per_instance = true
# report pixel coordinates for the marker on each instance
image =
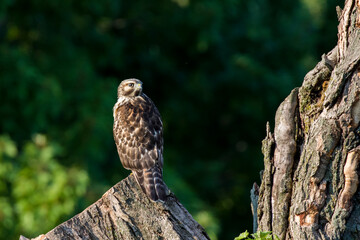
(130, 88)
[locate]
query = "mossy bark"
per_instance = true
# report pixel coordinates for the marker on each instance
(309, 187)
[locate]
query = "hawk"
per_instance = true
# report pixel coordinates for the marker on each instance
(138, 136)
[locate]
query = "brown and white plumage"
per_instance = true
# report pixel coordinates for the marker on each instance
(139, 138)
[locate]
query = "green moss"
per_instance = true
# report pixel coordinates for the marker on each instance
(311, 102)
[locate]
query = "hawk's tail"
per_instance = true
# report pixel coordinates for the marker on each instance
(151, 183)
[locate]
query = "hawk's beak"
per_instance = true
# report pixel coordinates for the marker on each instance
(138, 89)
(138, 86)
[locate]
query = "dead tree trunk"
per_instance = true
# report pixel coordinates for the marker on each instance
(124, 212)
(309, 186)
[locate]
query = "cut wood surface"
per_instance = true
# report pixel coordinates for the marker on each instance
(309, 187)
(125, 212)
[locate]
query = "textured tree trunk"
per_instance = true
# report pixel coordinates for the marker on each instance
(309, 186)
(125, 212)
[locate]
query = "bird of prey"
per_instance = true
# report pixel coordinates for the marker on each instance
(138, 135)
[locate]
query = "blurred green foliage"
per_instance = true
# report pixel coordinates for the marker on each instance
(217, 70)
(257, 236)
(35, 190)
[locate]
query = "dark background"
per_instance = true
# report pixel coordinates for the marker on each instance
(217, 70)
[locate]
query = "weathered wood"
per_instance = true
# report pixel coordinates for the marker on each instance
(124, 212)
(254, 196)
(309, 188)
(264, 204)
(283, 162)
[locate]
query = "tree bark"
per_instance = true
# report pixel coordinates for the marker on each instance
(309, 186)
(125, 212)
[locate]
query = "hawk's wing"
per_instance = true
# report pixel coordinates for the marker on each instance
(139, 140)
(138, 134)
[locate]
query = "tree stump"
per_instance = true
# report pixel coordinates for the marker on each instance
(309, 186)
(125, 212)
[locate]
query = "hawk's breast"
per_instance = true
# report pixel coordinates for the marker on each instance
(138, 133)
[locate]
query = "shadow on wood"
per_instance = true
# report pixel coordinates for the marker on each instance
(124, 212)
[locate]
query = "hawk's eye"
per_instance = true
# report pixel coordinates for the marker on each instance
(131, 85)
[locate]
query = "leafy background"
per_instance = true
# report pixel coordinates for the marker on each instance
(217, 70)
